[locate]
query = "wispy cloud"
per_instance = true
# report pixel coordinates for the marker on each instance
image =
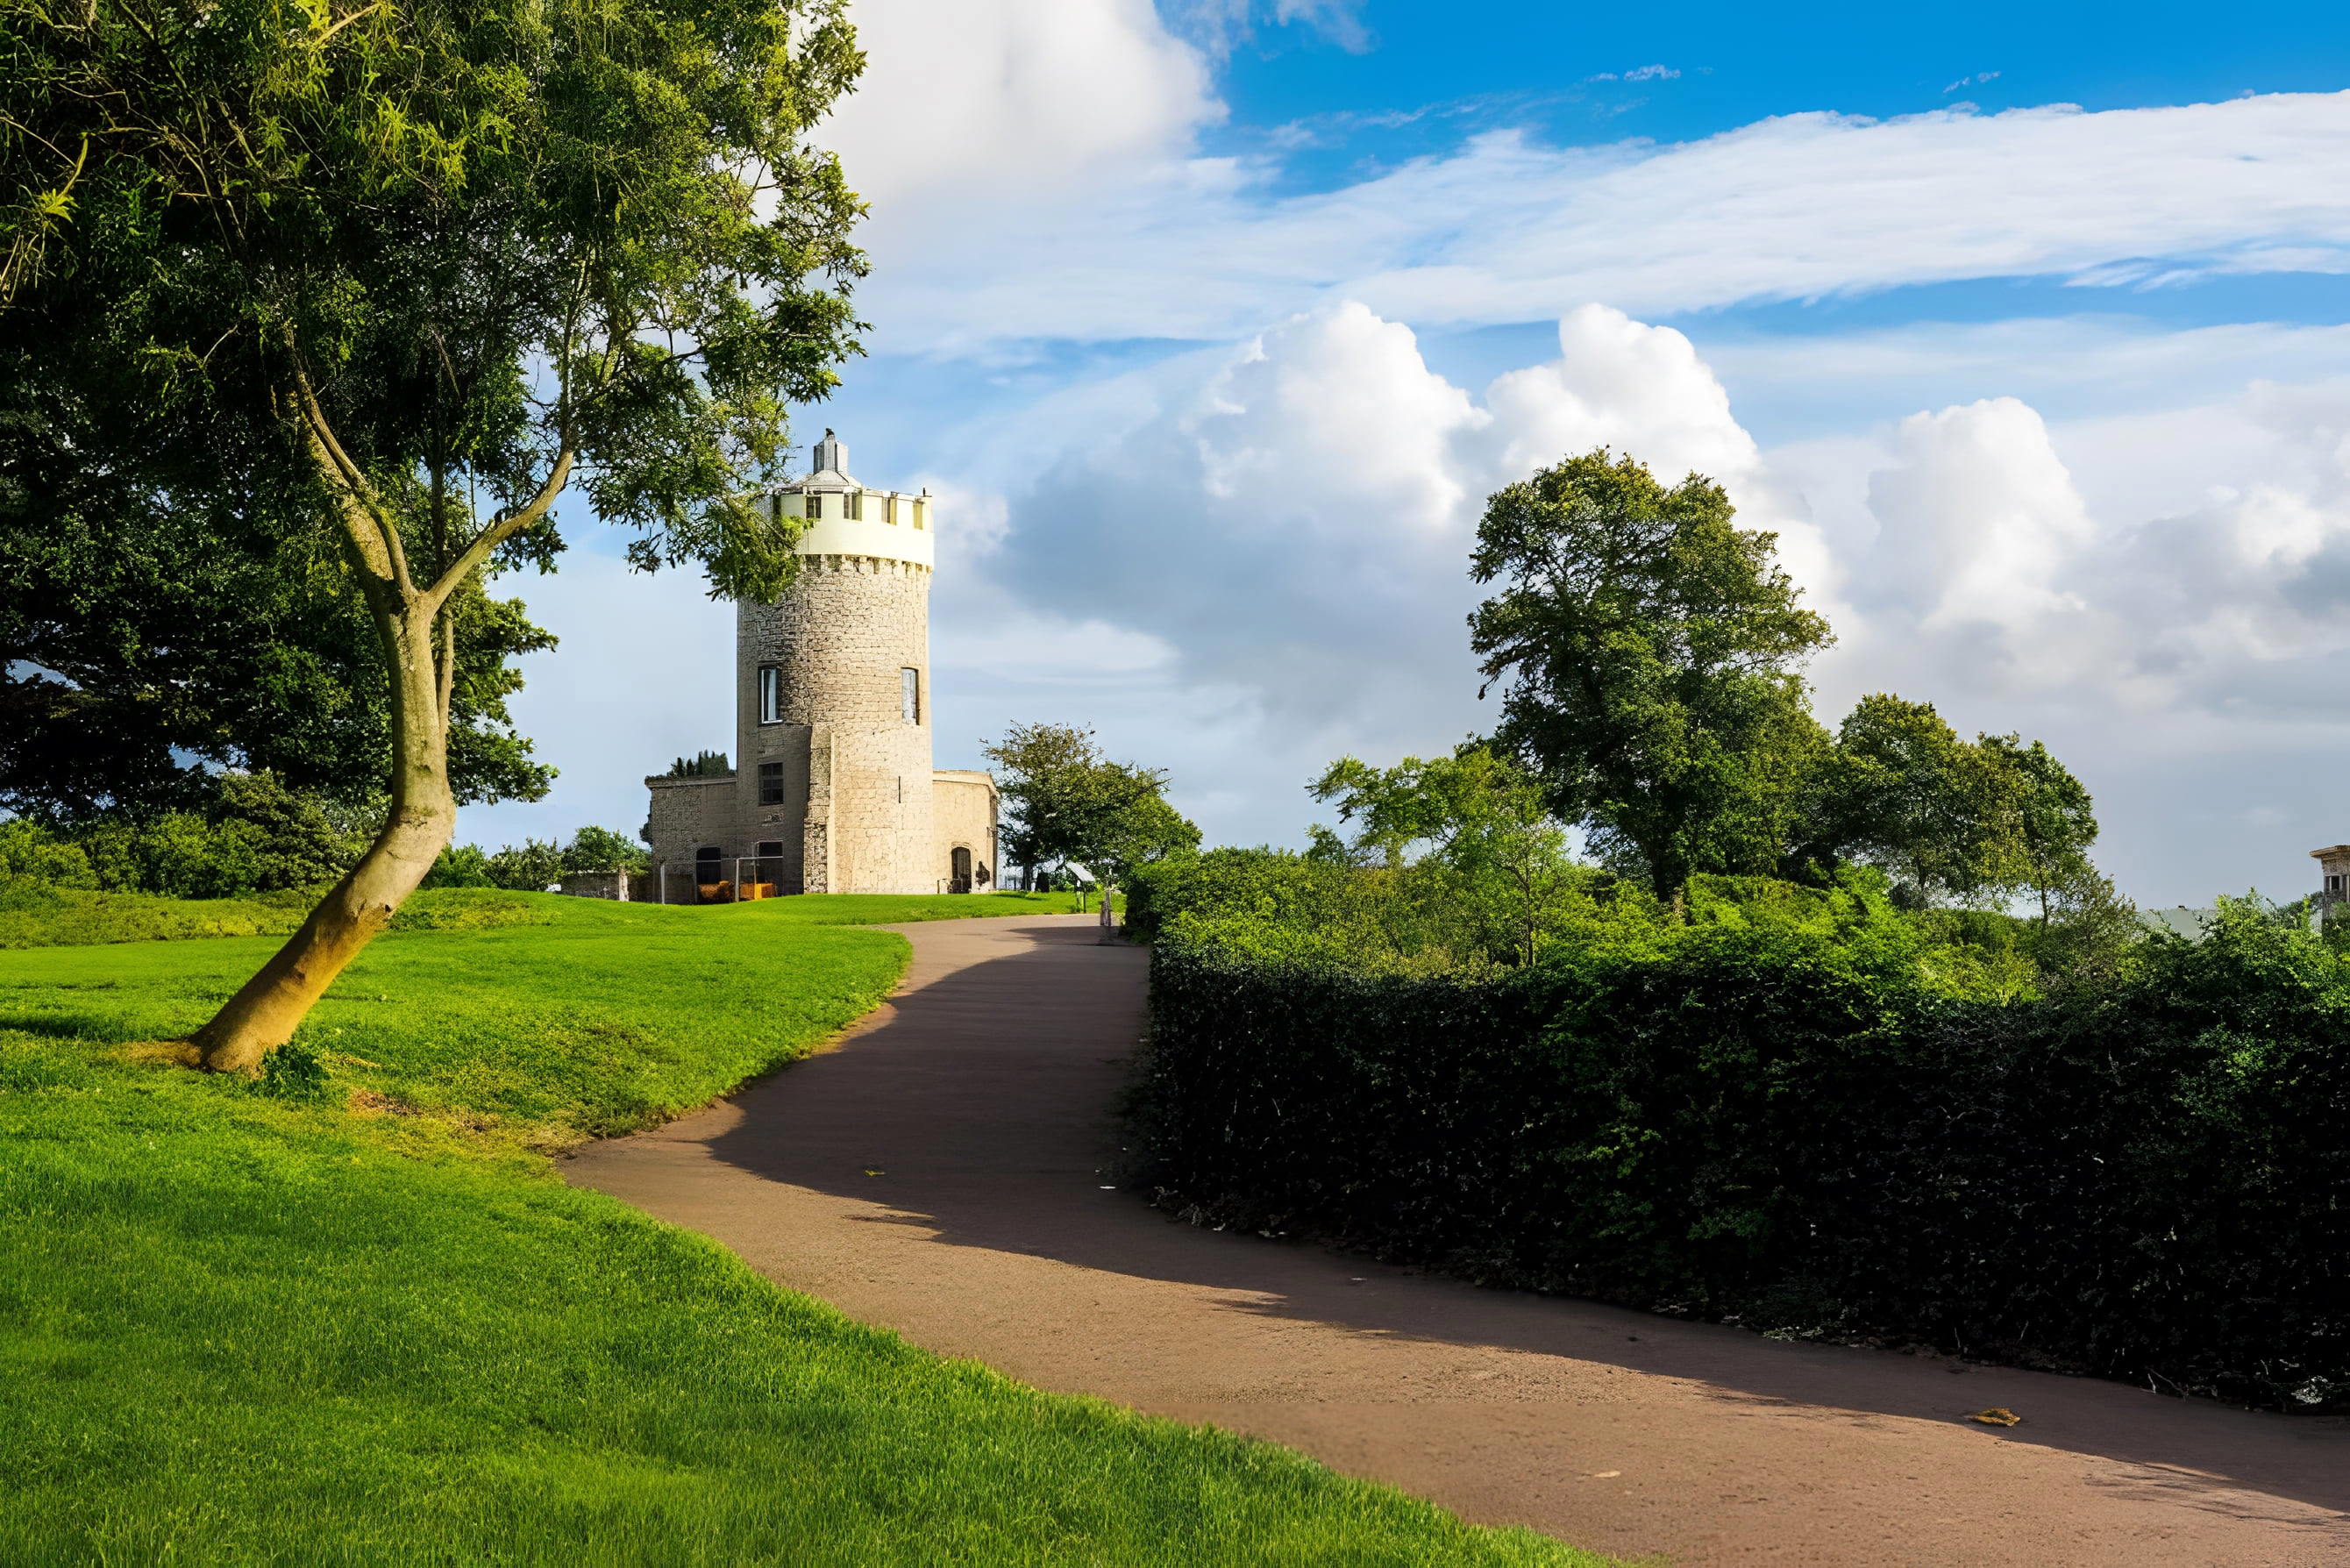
(1508, 229)
(1637, 74)
(1222, 26)
(1976, 80)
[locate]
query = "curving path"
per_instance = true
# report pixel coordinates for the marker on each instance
(940, 1173)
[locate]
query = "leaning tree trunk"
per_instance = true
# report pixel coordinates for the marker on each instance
(263, 1014)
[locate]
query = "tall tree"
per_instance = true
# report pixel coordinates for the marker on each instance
(421, 265)
(1903, 792)
(1065, 801)
(145, 643)
(2051, 822)
(1650, 651)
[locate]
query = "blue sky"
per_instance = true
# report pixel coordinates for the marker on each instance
(1739, 64)
(1211, 325)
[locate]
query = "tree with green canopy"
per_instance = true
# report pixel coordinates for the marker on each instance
(2052, 822)
(1649, 652)
(1901, 791)
(1477, 815)
(1064, 801)
(1950, 820)
(146, 645)
(406, 273)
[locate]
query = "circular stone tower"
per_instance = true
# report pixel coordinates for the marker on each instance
(833, 743)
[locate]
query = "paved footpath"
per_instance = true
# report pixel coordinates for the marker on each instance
(941, 1174)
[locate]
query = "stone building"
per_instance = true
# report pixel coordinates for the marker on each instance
(833, 789)
(2333, 872)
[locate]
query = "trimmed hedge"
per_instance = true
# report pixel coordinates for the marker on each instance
(1788, 1129)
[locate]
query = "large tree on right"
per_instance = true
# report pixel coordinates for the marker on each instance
(1650, 652)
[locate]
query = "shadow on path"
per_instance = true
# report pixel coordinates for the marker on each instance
(940, 1172)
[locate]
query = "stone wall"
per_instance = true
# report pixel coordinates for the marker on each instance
(963, 815)
(879, 820)
(688, 814)
(857, 777)
(597, 883)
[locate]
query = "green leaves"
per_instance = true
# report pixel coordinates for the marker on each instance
(1949, 820)
(1065, 801)
(1648, 651)
(1780, 1110)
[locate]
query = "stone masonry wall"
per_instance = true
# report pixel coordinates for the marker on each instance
(857, 810)
(688, 814)
(962, 813)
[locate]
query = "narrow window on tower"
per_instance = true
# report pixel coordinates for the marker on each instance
(771, 784)
(889, 511)
(910, 695)
(920, 510)
(815, 506)
(770, 694)
(856, 499)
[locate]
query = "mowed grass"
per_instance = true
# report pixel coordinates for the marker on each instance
(360, 1321)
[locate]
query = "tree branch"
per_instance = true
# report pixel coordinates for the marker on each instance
(383, 552)
(477, 554)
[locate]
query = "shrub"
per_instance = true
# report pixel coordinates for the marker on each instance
(255, 837)
(532, 869)
(1808, 1112)
(460, 865)
(31, 853)
(594, 848)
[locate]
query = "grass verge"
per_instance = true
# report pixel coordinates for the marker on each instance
(347, 1316)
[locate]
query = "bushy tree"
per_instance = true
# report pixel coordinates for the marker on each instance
(1064, 801)
(2052, 824)
(1650, 652)
(594, 848)
(1903, 792)
(1950, 820)
(1477, 818)
(533, 866)
(149, 640)
(413, 270)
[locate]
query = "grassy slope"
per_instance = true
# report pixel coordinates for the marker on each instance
(237, 1328)
(35, 915)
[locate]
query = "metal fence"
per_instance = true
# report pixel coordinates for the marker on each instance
(724, 881)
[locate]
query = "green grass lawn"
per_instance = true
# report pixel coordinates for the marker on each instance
(348, 1315)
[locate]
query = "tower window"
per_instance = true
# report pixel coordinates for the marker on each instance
(889, 512)
(815, 506)
(2334, 884)
(771, 848)
(920, 509)
(910, 695)
(771, 784)
(770, 694)
(856, 502)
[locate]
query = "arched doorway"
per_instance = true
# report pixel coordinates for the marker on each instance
(958, 874)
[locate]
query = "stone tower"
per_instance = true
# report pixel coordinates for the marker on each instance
(833, 789)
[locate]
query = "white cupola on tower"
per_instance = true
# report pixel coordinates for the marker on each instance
(831, 462)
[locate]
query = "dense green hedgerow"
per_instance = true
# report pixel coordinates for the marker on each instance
(1797, 1113)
